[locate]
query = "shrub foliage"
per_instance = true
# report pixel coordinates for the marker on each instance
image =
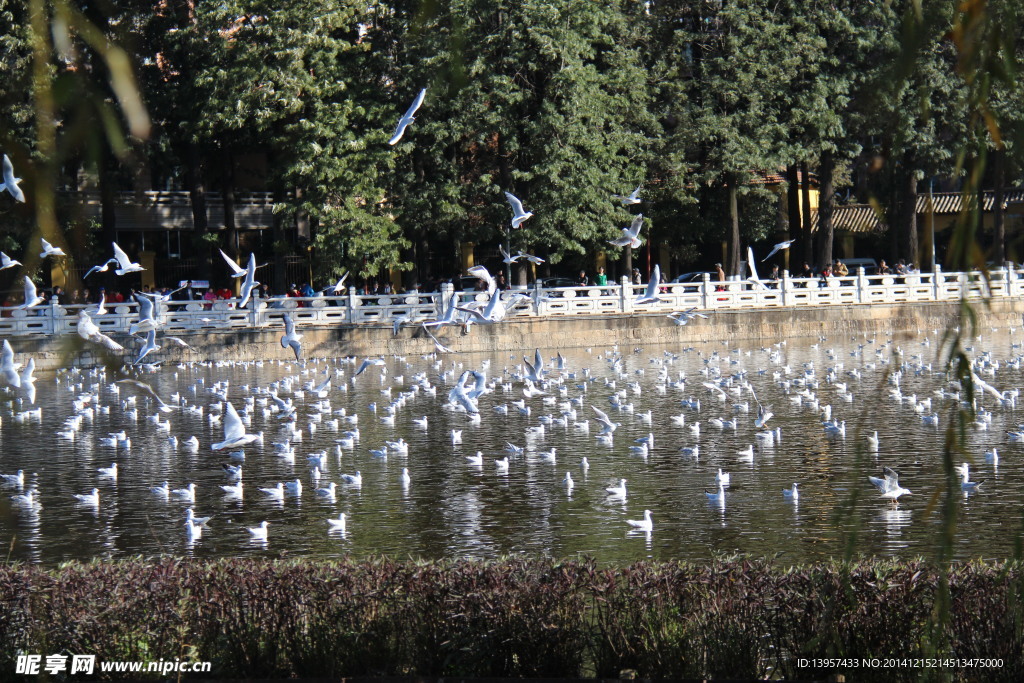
(515, 618)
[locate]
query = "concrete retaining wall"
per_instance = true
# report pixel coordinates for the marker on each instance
(524, 334)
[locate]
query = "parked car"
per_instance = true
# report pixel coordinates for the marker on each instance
(694, 279)
(552, 282)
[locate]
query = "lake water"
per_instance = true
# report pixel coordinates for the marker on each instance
(453, 509)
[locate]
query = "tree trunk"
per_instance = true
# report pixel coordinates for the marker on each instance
(108, 217)
(909, 247)
(793, 209)
(229, 206)
(200, 219)
(998, 226)
(826, 208)
(733, 267)
(807, 251)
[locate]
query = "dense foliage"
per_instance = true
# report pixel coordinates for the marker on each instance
(518, 618)
(563, 104)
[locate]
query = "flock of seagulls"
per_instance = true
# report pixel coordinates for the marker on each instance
(611, 410)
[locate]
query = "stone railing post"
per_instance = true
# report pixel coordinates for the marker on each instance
(862, 285)
(785, 284)
(538, 297)
(351, 305)
(447, 289)
(54, 315)
(937, 282)
(705, 291)
(1008, 267)
(625, 295)
(254, 304)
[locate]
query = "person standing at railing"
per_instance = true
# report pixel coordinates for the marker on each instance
(883, 268)
(582, 280)
(636, 277)
(826, 273)
(721, 277)
(840, 269)
(601, 279)
(500, 281)
(773, 279)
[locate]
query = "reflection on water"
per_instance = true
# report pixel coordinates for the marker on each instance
(453, 506)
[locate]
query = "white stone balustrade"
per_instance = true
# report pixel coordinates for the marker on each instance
(611, 299)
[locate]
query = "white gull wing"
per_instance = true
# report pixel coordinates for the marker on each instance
(519, 214)
(484, 274)
(249, 282)
(651, 295)
(236, 270)
(408, 117)
(10, 182)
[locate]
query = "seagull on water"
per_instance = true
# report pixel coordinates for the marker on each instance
(258, 533)
(645, 524)
(338, 524)
(408, 117)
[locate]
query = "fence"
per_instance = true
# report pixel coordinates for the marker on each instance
(355, 309)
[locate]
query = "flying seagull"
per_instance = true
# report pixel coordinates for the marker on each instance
(236, 270)
(650, 296)
(290, 337)
(7, 262)
(125, 263)
(407, 117)
(31, 297)
(10, 182)
(249, 282)
(633, 198)
(778, 247)
(631, 235)
(50, 250)
(520, 215)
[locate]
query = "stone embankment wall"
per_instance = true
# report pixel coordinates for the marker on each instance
(519, 335)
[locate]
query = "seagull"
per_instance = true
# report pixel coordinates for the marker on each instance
(148, 390)
(367, 363)
(275, 493)
(148, 347)
(125, 263)
(519, 215)
(110, 472)
(617, 491)
(234, 430)
(100, 269)
(339, 287)
(236, 270)
(258, 533)
(249, 282)
(650, 296)
(338, 524)
(718, 496)
(644, 524)
(485, 275)
(683, 317)
(92, 498)
(17, 479)
(50, 250)
(31, 297)
(632, 198)
(408, 117)
(535, 260)
(147, 316)
(793, 493)
(504, 256)
(778, 247)
(8, 369)
(631, 235)
(188, 493)
(290, 338)
(10, 182)
(889, 485)
(7, 262)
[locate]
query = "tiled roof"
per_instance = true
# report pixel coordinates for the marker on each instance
(863, 218)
